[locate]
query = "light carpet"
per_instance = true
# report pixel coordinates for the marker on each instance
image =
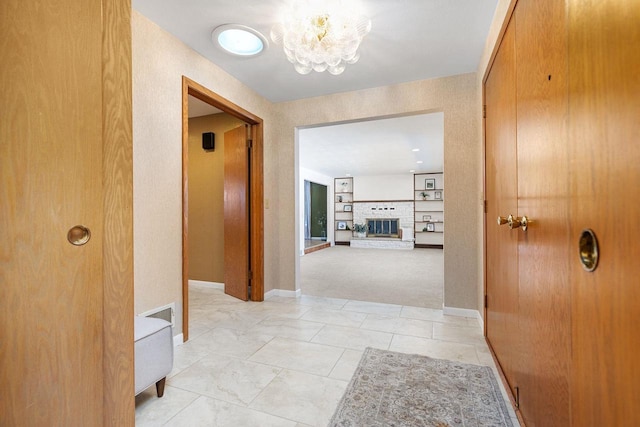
(413, 278)
(397, 389)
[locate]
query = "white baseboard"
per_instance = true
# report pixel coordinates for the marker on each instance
(178, 340)
(201, 283)
(283, 293)
(464, 312)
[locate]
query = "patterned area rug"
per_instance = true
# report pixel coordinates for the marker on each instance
(396, 389)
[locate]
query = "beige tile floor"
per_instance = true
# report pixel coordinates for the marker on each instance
(287, 361)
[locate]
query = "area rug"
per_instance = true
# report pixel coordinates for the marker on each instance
(396, 389)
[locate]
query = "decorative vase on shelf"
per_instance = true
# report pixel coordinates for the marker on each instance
(361, 230)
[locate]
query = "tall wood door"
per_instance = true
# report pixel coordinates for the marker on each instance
(501, 194)
(605, 174)
(236, 213)
(51, 291)
(543, 195)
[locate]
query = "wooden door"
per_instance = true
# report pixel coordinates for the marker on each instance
(501, 194)
(52, 345)
(236, 213)
(605, 174)
(543, 194)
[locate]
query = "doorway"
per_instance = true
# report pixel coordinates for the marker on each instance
(382, 158)
(315, 215)
(243, 193)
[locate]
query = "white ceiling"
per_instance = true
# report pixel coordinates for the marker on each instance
(377, 147)
(199, 108)
(409, 40)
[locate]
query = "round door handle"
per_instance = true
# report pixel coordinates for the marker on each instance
(502, 220)
(78, 235)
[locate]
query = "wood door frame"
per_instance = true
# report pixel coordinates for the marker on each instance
(494, 51)
(117, 170)
(485, 76)
(256, 190)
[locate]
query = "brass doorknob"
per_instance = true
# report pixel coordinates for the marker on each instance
(78, 235)
(502, 220)
(517, 222)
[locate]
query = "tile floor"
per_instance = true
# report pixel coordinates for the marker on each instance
(287, 361)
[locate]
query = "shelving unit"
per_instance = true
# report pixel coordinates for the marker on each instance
(428, 195)
(343, 210)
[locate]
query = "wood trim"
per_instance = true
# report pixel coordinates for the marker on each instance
(205, 95)
(118, 358)
(496, 46)
(427, 246)
(483, 167)
(317, 248)
(190, 87)
(257, 212)
(185, 209)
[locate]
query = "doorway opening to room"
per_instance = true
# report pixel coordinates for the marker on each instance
(315, 217)
(222, 239)
(385, 211)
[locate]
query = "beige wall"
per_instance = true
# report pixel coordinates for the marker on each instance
(206, 198)
(160, 61)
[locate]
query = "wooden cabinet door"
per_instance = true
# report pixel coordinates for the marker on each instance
(51, 160)
(543, 190)
(604, 149)
(501, 184)
(236, 213)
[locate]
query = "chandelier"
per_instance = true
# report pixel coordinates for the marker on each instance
(321, 35)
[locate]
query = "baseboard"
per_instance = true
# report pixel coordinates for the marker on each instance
(464, 312)
(178, 340)
(201, 283)
(283, 293)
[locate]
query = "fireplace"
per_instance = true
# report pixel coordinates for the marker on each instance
(382, 227)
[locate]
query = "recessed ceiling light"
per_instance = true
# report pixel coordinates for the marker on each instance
(347, 174)
(412, 170)
(416, 149)
(419, 161)
(239, 40)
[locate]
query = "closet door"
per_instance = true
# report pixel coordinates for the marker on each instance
(543, 195)
(501, 195)
(66, 268)
(605, 182)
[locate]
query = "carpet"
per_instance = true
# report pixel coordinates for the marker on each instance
(414, 278)
(396, 389)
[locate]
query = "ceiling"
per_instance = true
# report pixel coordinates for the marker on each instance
(199, 108)
(409, 40)
(376, 147)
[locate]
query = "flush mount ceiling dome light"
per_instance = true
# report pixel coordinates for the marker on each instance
(239, 40)
(322, 35)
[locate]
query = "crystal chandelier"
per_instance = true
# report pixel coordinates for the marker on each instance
(321, 34)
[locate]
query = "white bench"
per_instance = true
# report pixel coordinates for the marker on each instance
(153, 347)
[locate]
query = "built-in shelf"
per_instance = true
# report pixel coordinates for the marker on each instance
(428, 191)
(343, 210)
